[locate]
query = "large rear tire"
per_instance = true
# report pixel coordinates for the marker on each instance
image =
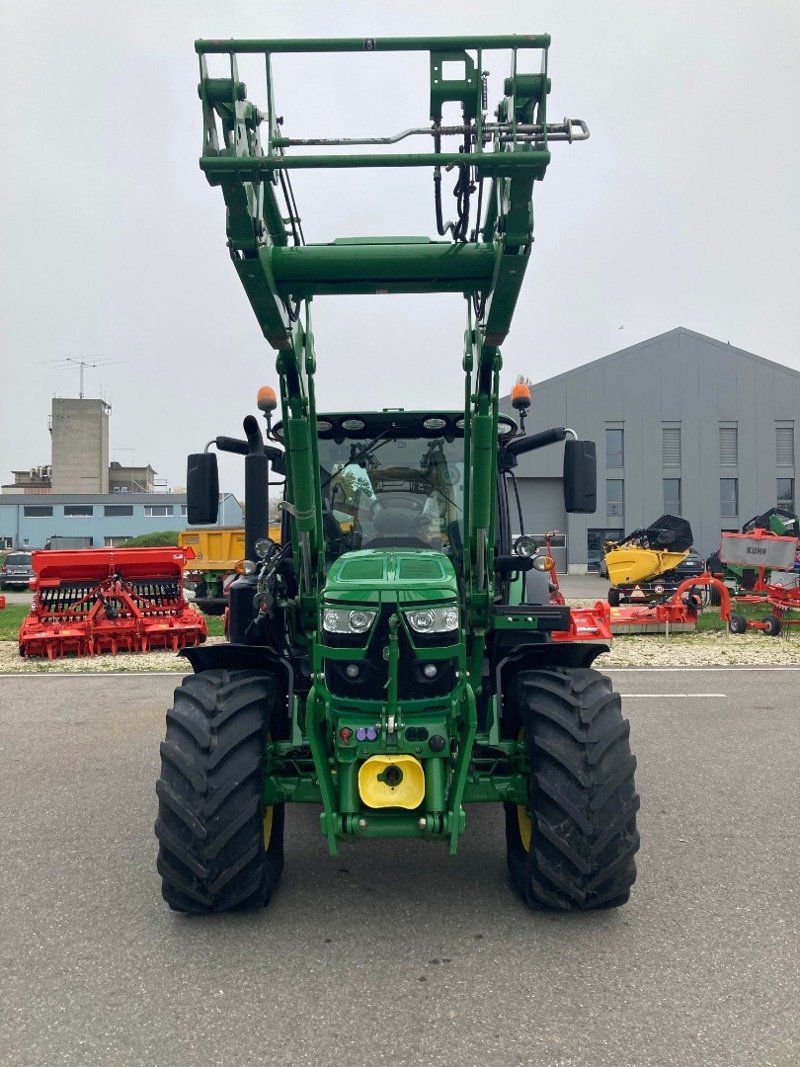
(572, 846)
(220, 848)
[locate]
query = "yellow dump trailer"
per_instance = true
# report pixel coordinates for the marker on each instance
(217, 550)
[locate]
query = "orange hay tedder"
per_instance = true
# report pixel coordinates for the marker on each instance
(109, 600)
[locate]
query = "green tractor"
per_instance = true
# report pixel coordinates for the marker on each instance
(396, 658)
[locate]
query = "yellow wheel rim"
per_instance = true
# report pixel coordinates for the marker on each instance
(523, 815)
(525, 826)
(267, 827)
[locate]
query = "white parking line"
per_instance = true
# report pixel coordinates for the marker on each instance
(671, 696)
(96, 674)
(693, 670)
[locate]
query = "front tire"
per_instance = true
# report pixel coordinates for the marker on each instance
(614, 597)
(572, 846)
(220, 848)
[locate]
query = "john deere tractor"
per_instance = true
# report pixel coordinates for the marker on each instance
(396, 658)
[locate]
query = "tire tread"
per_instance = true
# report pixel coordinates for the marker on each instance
(209, 826)
(583, 802)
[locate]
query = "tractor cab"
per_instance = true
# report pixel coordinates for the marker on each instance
(393, 480)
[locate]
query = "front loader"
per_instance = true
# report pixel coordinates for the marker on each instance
(396, 658)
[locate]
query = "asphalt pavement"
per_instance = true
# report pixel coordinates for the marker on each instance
(395, 952)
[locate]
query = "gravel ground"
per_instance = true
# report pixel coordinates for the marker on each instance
(708, 649)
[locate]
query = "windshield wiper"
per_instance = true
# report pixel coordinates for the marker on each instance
(356, 457)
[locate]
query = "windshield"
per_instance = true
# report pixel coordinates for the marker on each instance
(392, 492)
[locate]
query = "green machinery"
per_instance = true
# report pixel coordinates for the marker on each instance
(396, 658)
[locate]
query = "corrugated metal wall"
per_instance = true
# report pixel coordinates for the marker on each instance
(682, 381)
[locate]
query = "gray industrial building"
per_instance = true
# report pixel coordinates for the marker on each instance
(105, 520)
(684, 424)
(79, 430)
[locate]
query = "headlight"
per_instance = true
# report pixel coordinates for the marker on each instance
(525, 545)
(263, 547)
(347, 620)
(433, 620)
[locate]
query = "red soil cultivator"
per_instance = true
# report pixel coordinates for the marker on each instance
(109, 600)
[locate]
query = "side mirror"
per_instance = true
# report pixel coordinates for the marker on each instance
(202, 488)
(580, 477)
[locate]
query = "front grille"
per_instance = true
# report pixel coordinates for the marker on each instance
(371, 681)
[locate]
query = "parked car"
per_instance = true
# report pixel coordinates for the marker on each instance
(662, 586)
(16, 571)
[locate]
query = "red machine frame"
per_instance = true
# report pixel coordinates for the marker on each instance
(780, 598)
(108, 600)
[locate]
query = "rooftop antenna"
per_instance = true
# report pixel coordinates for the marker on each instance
(82, 363)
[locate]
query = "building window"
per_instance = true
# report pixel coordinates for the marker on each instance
(615, 496)
(556, 540)
(35, 511)
(157, 511)
(784, 446)
(184, 510)
(785, 493)
(671, 446)
(729, 496)
(111, 510)
(115, 542)
(728, 446)
(672, 496)
(78, 511)
(615, 448)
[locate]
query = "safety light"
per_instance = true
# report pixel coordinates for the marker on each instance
(521, 396)
(430, 670)
(352, 670)
(267, 400)
(245, 566)
(543, 563)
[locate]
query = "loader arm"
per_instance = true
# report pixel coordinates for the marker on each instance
(482, 255)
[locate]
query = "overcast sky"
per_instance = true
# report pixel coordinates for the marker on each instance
(681, 210)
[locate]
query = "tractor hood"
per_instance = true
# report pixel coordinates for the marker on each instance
(375, 576)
